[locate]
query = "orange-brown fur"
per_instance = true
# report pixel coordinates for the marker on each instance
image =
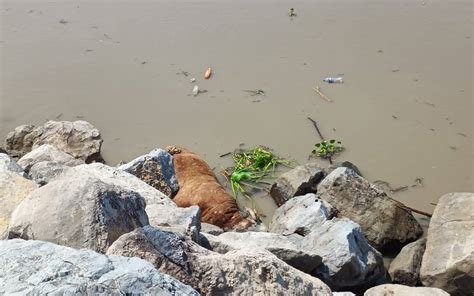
(199, 186)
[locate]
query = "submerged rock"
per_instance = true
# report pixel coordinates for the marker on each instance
(399, 290)
(40, 268)
(79, 139)
(300, 215)
(156, 169)
(298, 181)
(245, 272)
(405, 268)
(448, 261)
(78, 212)
(47, 153)
(13, 190)
(384, 221)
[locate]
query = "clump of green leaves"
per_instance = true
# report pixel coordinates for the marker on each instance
(252, 168)
(327, 149)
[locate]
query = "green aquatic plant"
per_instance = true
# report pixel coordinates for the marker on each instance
(327, 149)
(252, 168)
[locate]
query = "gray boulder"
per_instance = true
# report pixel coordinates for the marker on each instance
(399, 290)
(9, 164)
(245, 272)
(79, 139)
(78, 212)
(47, 153)
(186, 221)
(211, 229)
(405, 268)
(349, 261)
(298, 181)
(385, 222)
(42, 268)
(114, 176)
(44, 172)
(167, 251)
(13, 190)
(300, 215)
(156, 169)
(344, 164)
(448, 261)
(286, 248)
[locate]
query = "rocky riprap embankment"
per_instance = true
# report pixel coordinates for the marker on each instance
(70, 226)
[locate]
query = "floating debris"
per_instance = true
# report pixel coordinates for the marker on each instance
(208, 73)
(333, 80)
(195, 90)
(192, 80)
(292, 12)
(63, 21)
(323, 96)
(255, 92)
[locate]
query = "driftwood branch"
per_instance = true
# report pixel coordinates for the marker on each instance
(321, 94)
(315, 124)
(403, 206)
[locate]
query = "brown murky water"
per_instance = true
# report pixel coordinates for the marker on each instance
(405, 110)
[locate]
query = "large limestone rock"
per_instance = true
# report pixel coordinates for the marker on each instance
(300, 215)
(405, 268)
(298, 181)
(114, 176)
(244, 272)
(9, 164)
(186, 221)
(44, 172)
(286, 248)
(252, 272)
(78, 212)
(385, 222)
(399, 290)
(348, 261)
(42, 268)
(47, 153)
(156, 169)
(13, 190)
(448, 261)
(79, 139)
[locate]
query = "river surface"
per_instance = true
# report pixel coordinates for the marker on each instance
(405, 110)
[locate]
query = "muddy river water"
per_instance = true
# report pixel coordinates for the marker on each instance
(404, 112)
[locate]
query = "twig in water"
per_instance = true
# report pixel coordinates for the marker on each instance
(225, 154)
(315, 124)
(323, 96)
